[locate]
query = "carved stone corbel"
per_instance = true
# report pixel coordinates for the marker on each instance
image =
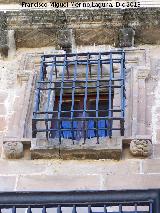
(141, 148)
(13, 149)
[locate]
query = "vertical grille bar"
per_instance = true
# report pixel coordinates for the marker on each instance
(110, 95)
(29, 210)
(105, 209)
(49, 99)
(44, 209)
(74, 209)
(54, 90)
(120, 208)
(89, 209)
(135, 206)
(151, 207)
(122, 77)
(59, 209)
(97, 96)
(61, 97)
(14, 209)
(85, 99)
(73, 91)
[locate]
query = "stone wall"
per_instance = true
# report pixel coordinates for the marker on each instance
(41, 28)
(142, 102)
(59, 175)
(89, 30)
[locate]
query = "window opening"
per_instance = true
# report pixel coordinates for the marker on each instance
(80, 96)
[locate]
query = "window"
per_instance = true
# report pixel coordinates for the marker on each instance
(80, 96)
(74, 128)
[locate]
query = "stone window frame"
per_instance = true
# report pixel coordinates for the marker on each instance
(58, 77)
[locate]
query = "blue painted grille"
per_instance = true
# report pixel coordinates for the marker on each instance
(76, 96)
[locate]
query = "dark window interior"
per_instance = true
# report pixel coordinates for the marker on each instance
(74, 128)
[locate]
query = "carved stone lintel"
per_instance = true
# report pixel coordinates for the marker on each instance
(141, 148)
(13, 149)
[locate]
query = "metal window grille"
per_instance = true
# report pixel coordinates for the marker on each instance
(80, 96)
(128, 201)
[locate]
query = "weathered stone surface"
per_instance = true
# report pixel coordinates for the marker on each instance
(156, 151)
(1, 144)
(98, 167)
(19, 167)
(56, 182)
(127, 181)
(7, 183)
(106, 149)
(141, 148)
(13, 149)
(151, 166)
(3, 96)
(3, 123)
(98, 36)
(45, 153)
(39, 28)
(23, 38)
(43, 149)
(65, 40)
(2, 109)
(126, 37)
(3, 35)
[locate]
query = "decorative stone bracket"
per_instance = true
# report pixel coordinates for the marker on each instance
(141, 148)
(13, 147)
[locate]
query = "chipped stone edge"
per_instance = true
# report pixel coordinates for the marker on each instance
(67, 151)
